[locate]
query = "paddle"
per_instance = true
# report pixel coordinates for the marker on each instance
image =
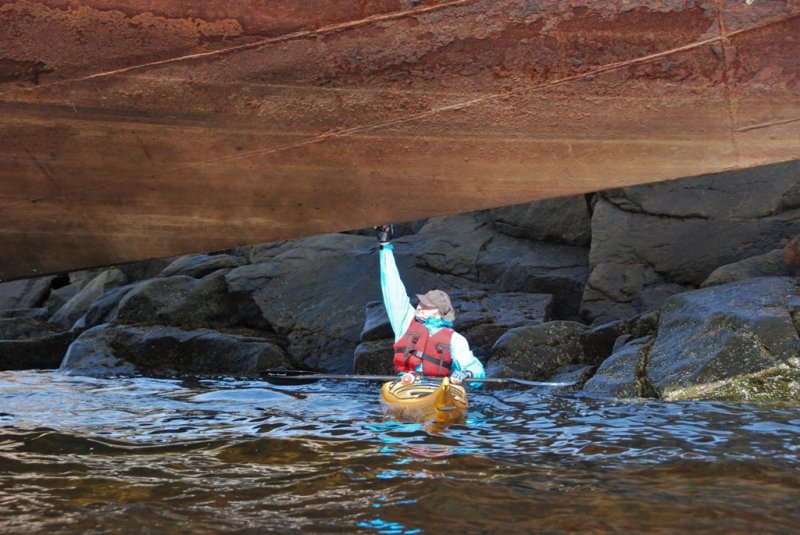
(299, 377)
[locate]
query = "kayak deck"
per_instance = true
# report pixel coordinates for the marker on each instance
(425, 401)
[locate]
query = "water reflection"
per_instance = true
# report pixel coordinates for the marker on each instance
(135, 454)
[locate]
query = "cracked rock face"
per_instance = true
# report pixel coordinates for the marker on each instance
(651, 242)
(725, 337)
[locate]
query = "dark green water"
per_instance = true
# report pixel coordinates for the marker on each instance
(82, 455)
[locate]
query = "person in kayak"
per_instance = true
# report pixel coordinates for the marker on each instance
(425, 342)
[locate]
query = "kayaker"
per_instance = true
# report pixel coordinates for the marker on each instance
(425, 342)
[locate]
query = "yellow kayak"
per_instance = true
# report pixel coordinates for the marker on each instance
(425, 401)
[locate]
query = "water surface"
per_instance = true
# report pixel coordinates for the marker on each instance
(140, 455)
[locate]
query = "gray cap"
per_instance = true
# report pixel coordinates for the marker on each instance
(439, 300)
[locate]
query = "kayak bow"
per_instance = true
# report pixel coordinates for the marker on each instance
(425, 401)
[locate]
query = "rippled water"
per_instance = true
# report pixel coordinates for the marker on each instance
(138, 455)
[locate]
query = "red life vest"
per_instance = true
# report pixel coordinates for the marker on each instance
(418, 346)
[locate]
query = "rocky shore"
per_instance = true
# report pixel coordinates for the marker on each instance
(681, 290)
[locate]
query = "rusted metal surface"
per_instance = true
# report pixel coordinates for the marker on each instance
(141, 129)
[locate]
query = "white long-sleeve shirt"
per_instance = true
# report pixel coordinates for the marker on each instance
(401, 313)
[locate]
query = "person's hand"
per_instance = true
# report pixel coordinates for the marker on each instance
(459, 376)
(408, 378)
(385, 233)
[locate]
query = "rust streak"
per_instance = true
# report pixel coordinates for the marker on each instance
(334, 28)
(365, 128)
(724, 43)
(486, 98)
(767, 125)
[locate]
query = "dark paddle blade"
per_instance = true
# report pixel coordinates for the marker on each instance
(523, 382)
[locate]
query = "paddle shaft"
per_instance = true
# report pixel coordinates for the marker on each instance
(339, 377)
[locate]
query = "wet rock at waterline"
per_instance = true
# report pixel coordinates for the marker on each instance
(374, 357)
(710, 339)
(573, 377)
(536, 352)
(179, 300)
(170, 351)
(621, 374)
(44, 352)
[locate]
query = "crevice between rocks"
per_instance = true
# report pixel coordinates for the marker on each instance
(644, 388)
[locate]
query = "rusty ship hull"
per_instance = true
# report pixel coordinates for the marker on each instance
(144, 128)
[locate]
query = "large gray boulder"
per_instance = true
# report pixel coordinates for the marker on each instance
(374, 357)
(59, 296)
(199, 265)
(563, 220)
(650, 242)
(170, 351)
(78, 304)
(104, 308)
(483, 317)
(536, 352)
(515, 265)
(25, 293)
(469, 246)
(452, 244)
(736, 340)
(769, 264)
(179, 300)
(313, 292)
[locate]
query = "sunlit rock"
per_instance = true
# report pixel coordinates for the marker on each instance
(712, 338)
